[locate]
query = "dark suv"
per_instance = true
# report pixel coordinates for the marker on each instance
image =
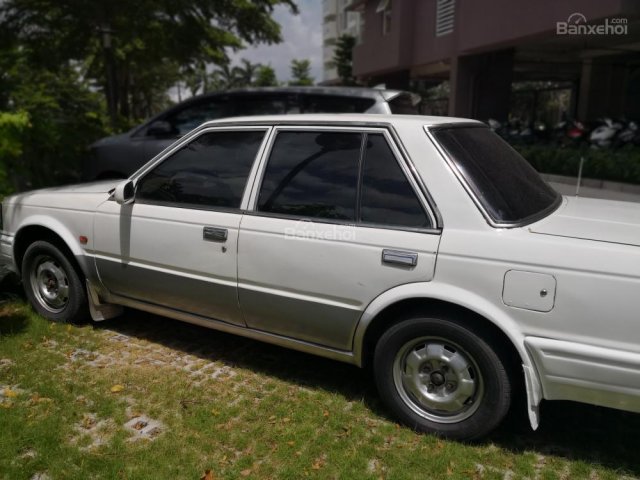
(120, 155)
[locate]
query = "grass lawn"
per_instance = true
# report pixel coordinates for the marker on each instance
(150, 398)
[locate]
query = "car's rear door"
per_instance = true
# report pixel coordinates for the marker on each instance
(176, 245)
(337, 219)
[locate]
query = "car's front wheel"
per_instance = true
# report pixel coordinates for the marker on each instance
(52, 284)
(440, 377)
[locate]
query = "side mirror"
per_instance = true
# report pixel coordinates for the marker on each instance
(161, 128)
(124, 192)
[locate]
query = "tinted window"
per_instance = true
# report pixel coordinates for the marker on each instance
(335, 104)
(312, 174)
(191, 117)
(506, 185)
(387, 195)
(211, 171)
(252, 104)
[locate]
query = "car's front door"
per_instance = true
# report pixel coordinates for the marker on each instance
(176, 244)
(336, 221)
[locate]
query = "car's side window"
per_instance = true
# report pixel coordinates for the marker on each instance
(387, 196)
(191, 117)
(210, 171)
(312, 174)
(335, 104)
(254, 104)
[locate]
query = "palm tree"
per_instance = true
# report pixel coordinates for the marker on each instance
(246, 74)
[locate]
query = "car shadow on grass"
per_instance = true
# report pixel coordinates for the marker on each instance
(12, 320)
(573, 431)
(576, 432)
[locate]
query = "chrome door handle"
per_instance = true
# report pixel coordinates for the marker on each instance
(214, 234)
(398, 257)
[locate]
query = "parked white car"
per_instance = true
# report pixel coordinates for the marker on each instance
(423, 247)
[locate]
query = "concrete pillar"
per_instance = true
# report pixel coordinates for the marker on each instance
(481, 85)
(603, 85)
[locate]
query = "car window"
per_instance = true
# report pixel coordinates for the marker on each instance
(334, 104)
(405, 104)
(210, 171)
(507, 186)
(193, 116)
(387, 195)
(253, 104)
(312, 174)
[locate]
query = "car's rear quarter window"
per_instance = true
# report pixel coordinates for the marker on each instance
(506, 185)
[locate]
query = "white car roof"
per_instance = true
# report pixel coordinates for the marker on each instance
(361, 118)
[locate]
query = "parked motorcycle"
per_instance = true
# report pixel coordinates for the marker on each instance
(603, 135)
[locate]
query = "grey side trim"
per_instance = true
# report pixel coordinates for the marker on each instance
(306, 319)
(88, 267)
(206, 296)
(282, 341)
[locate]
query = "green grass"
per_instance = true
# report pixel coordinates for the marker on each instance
(243, 409)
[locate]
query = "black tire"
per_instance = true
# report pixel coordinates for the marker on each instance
(411, 380)
(44, 263)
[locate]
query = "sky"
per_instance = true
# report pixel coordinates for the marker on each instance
(302, 38)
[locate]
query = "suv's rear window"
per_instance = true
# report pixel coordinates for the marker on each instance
(405, 104)
(509, 189)
(334, 104)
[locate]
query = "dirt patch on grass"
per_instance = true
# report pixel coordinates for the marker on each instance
(92, 432)
(121, 350)
(142, 427)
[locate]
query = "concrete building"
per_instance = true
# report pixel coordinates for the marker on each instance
(483, 46)
(338, 19)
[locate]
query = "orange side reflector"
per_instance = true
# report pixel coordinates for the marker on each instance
(83, 240)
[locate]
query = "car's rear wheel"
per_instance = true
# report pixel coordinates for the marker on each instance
(440, 377)
(52, 284)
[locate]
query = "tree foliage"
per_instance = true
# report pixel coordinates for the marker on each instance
(247, 72)
(49, 119)
(57, 56)
(12, 133)
(266, 77)
(342, 58)
(144, 43)
(301, 72)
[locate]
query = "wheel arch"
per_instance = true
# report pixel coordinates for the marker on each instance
(494, 323)
(49, 230)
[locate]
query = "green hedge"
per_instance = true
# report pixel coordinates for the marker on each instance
(621, 165)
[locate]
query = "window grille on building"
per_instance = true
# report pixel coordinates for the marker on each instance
(445, 11)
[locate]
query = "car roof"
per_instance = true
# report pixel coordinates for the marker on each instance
(341, 118)
(386, 94)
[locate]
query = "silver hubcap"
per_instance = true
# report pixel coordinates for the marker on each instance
(50, 284)
(438, 380)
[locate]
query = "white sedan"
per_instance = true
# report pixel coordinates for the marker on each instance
(423, 247)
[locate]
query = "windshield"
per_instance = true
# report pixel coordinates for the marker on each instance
(506, 185)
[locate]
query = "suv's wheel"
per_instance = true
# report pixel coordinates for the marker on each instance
(52, 284)
(439, 377)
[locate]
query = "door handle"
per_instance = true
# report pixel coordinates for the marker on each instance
(214, 234)
(398, 257)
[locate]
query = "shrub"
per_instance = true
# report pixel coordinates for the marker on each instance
(622, 165)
